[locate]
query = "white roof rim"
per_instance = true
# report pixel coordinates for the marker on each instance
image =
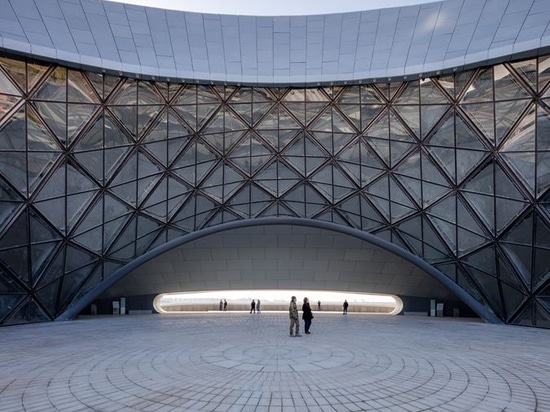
(271, 8)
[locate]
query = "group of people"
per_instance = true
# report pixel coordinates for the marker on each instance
(255, 306)
(307, 315)
(223, 304)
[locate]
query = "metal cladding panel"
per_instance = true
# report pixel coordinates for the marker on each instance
(374, 45)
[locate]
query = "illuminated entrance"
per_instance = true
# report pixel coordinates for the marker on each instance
(276, 300)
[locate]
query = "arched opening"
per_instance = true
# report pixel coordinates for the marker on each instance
(275, 301)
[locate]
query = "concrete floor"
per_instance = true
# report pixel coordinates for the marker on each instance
(241, 362)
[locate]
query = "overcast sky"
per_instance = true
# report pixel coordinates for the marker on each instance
(273, 7)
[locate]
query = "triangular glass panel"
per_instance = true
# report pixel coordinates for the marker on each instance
(370, 94)
(118, 231)
(269, 121)
(469, 233)
(39, 164)
(490, 287)
(16, 70)
(543, 171)
(17, 260)
(371, 219)
(38, 135)
(54, 211)
(340, 125)
(7, 87)
(259, 110)
(411, 232)
(148, 94)
(12, 132)
(79, 89)
(206, 208)
(431, 94)
(9, 202)
(126, 93)
(506, 86)
(206, 94)
(483, 116)
(409, 94)
(12, 165)
(524, 167)
(527, 70)
(541, 273)
(92, 139)
(443, 219)
(411, 116)
(104, 84)
(352, 114)
(48, 297)
(54, 87)
(188, 95)
(189, 114)
(128, 116)
(507, 114)
(78, 116)
(483, 260)
(542, 130)
(28, 312)
(146, 115)
(377, 136)
(76, 206)
(8, 103)
(369, 112)
(481, 89)
(543, 72)
(244, 111)
(525, 317)
(350, 160)
(507, 274)
(521, 257)
(378, 194)
(232, 122)
(250, 154)
(287, 122)
(542, 315)
(72, 282)
(312, 110)
(239, 204)
(430, 116)
(435, 249)
(401, 204)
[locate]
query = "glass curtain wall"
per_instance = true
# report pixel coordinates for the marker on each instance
(96, 170)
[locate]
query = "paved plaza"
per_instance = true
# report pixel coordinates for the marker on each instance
(244, 362)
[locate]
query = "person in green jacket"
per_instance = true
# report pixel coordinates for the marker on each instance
(293, 315)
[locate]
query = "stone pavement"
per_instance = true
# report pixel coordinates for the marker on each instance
(241, 362)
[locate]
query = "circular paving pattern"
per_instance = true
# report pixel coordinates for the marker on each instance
(242, 362)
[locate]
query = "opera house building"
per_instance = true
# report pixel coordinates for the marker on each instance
(401, 151)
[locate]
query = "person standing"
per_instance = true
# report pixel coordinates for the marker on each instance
(252, 306)
(221, 304)
(224, 305)
(346, 304)
(319, 305)
(293, 315)
(258, 308)
(307, 315)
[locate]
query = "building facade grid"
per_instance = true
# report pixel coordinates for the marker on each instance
(96, 170)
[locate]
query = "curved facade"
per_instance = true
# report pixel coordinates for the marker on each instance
(98, 169)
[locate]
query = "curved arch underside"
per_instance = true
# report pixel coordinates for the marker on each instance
(280, 253)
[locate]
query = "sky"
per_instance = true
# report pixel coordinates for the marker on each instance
(273, 8)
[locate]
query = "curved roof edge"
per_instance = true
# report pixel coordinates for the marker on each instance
(384, 45)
